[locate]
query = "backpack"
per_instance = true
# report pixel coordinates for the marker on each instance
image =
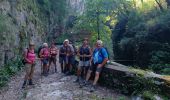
(106, 51)
(39, 50)
(72, 47)
(23, 60)
(100, 51)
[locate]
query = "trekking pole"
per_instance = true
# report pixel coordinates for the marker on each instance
(84, 69)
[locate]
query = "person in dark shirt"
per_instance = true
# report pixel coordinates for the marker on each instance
(99, 59)
(84, 54)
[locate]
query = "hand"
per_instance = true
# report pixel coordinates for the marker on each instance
(100, 65)
(67, 54)
(33, 62)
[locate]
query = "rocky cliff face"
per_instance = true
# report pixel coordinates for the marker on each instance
(20, 22)
(25, 20)
(76, 6)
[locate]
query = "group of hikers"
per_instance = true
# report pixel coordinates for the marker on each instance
(89, 61)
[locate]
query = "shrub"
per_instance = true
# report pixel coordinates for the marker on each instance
(9, 70)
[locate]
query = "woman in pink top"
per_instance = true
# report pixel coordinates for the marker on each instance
(45, 54)
(29, 57)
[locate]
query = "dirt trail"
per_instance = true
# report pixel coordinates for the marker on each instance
(56, 86)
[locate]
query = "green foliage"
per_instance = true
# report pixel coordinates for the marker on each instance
(122, 98)
(62, 38)
(166, 71)
(3, 26)
(9, 70)
(147, 95)
(88, 22)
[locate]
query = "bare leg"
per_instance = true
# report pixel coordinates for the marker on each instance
(78, 72)
(96, 78)
(70, 67)
(88, 75)
(55, 64)
(62, 67)
(31, 73)
(49, 65)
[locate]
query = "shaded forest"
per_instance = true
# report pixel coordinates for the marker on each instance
(138, 30)
(135, 32)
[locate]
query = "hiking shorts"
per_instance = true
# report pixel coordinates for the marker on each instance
(71, 60)
(84, 64)
(29, 68)
(61, 60)
(45, 61)
(94, 67)
(53, 59)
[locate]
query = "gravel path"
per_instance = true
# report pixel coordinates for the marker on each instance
(56, 86)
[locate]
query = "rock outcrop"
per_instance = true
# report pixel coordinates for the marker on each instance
(20, 22)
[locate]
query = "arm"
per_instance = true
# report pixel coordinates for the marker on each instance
(105, 58)
(41, 53)
(104, 62)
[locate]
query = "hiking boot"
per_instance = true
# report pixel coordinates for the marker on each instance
(45, 74)
(93, 88)
(55, 70)
(24, 84)
(68, 73)
(84, 83)
(30, 82)
(77, 80)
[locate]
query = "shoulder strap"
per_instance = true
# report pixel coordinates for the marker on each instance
(100, 51)
(27, 52)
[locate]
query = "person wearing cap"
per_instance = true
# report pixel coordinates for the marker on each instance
(84, 54)
(29, 59)
(45, 54)
(72, 61)
(99, 59)
(68, 55)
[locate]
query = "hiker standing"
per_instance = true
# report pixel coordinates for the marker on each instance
(99, 59)
(53, 54)
(29, 61)
(62, 55)
(84, 54)
(45, 54)
(72, 57)
(39, 56)
(68, 56)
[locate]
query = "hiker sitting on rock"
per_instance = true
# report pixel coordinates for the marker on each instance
(99, 59)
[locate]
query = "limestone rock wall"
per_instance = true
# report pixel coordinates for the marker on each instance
(20, 22)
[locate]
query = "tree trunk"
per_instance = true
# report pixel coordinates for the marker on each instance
(159, 4)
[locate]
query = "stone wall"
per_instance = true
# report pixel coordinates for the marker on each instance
(132, 81)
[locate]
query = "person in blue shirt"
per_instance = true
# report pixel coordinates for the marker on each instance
(99, 59)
